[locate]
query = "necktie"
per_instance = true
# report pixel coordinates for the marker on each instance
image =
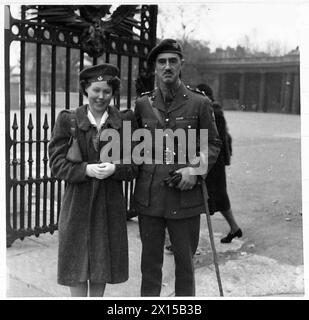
(168, 99)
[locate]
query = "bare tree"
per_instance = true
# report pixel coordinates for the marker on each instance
(185, 21)
(272, 47)
(163, 21)
(186, 27)
(275, 48)
(249, 42)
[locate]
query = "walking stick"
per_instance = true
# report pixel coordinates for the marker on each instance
(211, 236)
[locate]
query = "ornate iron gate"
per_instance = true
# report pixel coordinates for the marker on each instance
(33, 195)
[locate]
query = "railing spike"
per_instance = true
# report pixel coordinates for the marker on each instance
(15, 124)
(45, 124)
(30, 123)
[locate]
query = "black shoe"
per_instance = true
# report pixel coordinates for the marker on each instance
(231, 236)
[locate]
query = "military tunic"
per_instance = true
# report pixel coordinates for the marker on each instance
(188, 110)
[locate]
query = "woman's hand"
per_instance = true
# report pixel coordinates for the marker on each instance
(107, 169)
(100, 170)
(93, 170)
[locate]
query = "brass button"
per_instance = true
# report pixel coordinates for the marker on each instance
(174, 212)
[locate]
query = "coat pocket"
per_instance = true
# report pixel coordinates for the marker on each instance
(189, 125)
(192, 198)
(142, 186)
(149, 124)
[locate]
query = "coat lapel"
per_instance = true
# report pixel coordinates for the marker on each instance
(180, 98)
(114, 119)
(157, 100)
(83, 122)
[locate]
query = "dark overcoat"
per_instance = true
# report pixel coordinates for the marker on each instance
(92, 222)
(216, 178)
(189, 109)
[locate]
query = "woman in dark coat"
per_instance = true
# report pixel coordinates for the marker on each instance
(93, 245)
(216, 178)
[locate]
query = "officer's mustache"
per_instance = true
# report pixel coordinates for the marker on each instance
(167, 72)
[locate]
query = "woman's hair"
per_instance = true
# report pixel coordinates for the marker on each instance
(207, 90)
(113, 82)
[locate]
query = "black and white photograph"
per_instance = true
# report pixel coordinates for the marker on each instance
(154, 150)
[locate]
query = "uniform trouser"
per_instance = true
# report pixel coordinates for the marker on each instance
(184, 237)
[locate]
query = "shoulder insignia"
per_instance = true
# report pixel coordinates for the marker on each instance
(196, 90)
(146, 93)
(199, 91)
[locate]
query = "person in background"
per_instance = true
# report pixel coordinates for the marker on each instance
(216, 178)
(93, 244)
(144, 82)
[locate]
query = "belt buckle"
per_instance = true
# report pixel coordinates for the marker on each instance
(168, 156)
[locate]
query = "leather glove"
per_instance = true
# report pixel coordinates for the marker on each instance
(173, 179)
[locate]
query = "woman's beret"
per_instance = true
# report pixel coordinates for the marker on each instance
(99, 72)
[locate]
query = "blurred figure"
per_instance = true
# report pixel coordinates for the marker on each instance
(216, 178)
(143, 83)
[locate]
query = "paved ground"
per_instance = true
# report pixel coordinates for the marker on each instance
(264, 183)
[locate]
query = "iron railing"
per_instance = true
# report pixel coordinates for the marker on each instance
(33, 195)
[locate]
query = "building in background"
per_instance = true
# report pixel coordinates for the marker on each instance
(263, 84)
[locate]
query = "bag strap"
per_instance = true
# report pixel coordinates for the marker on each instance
(73, 124)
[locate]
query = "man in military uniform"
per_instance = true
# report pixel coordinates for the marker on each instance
(171, 105)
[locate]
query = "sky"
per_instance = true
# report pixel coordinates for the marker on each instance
(259, 24)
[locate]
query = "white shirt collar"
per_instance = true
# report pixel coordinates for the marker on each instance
(92, 119)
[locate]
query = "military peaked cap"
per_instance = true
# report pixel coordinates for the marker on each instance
(100, 72)
(166, 45)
